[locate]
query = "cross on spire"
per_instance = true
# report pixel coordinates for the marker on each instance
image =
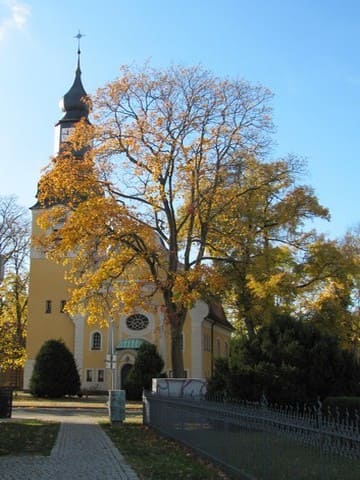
(79, 37)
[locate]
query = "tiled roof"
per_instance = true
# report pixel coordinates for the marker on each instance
(130, 344)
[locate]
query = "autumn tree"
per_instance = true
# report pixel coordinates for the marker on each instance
(13, 320)
(14, 248)
(263, 242)
(333, 305)
(138, 207)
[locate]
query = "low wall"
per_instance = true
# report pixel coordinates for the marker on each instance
(179, 387)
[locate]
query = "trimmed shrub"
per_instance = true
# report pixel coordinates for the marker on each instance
(148, 365)
(55, 374)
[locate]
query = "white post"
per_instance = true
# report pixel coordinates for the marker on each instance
(110, 361)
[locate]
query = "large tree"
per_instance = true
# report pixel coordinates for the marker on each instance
(139, 205)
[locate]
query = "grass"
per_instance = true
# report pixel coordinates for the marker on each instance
(27, 437)
(154, 457)
(285, 457)
(157, 458)
(24, 400)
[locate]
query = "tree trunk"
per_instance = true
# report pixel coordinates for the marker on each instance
(176, 312)
(176, 316)
(177, 359)
(244, 303)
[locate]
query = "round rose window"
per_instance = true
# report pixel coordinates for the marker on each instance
(137, 322)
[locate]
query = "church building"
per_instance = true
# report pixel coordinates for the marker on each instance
(104, 356)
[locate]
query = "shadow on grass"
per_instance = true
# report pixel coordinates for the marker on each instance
(156, 458)
(27, 437)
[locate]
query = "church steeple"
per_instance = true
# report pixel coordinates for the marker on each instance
(73, 104)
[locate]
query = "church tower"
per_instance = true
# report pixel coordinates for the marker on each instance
(73, 106)
(48, 289)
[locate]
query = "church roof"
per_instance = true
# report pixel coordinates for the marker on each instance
(217, 315)
(130, 344)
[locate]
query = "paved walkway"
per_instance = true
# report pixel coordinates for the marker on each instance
(82, 450)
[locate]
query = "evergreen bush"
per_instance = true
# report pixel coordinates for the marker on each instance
(55, 373)
(148, 365)
(290, 361)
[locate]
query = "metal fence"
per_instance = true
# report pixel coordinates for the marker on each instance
(259, 442)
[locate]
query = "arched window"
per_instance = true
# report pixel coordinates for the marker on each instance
(137, 322)
(96, 341)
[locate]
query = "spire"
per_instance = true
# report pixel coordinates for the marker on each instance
(72, 103)
(79, 37)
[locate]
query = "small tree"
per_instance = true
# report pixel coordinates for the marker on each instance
(148, 365)
(55, 374)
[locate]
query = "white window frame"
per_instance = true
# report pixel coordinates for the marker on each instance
(92, 343)
(62, 305)
(207, 342)
(98, 372)
(89, 375)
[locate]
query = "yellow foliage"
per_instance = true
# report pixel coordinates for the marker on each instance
(13, 321)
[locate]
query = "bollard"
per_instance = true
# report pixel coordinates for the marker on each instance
(116, 405)
(6, 394)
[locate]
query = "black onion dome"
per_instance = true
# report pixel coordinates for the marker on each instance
(73, 103)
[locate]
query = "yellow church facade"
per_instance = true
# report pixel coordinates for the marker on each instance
(104, 355)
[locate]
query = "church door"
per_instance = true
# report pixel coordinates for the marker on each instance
(124, 373)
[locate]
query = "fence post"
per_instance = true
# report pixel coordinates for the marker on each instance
(321, 438)
(264, 410)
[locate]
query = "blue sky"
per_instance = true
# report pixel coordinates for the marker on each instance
(306, 52)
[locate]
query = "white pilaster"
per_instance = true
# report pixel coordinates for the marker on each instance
(79, 323)
(28, 369)
(197, 315)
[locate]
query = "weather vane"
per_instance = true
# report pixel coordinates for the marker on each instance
(79, 37)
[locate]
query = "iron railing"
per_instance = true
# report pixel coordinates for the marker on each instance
(261, 442)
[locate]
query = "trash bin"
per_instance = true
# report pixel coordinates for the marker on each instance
(116, 405)
(6, 394)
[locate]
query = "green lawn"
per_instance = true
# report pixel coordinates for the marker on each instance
(30, 437)
(156, 457)
(286, 458)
